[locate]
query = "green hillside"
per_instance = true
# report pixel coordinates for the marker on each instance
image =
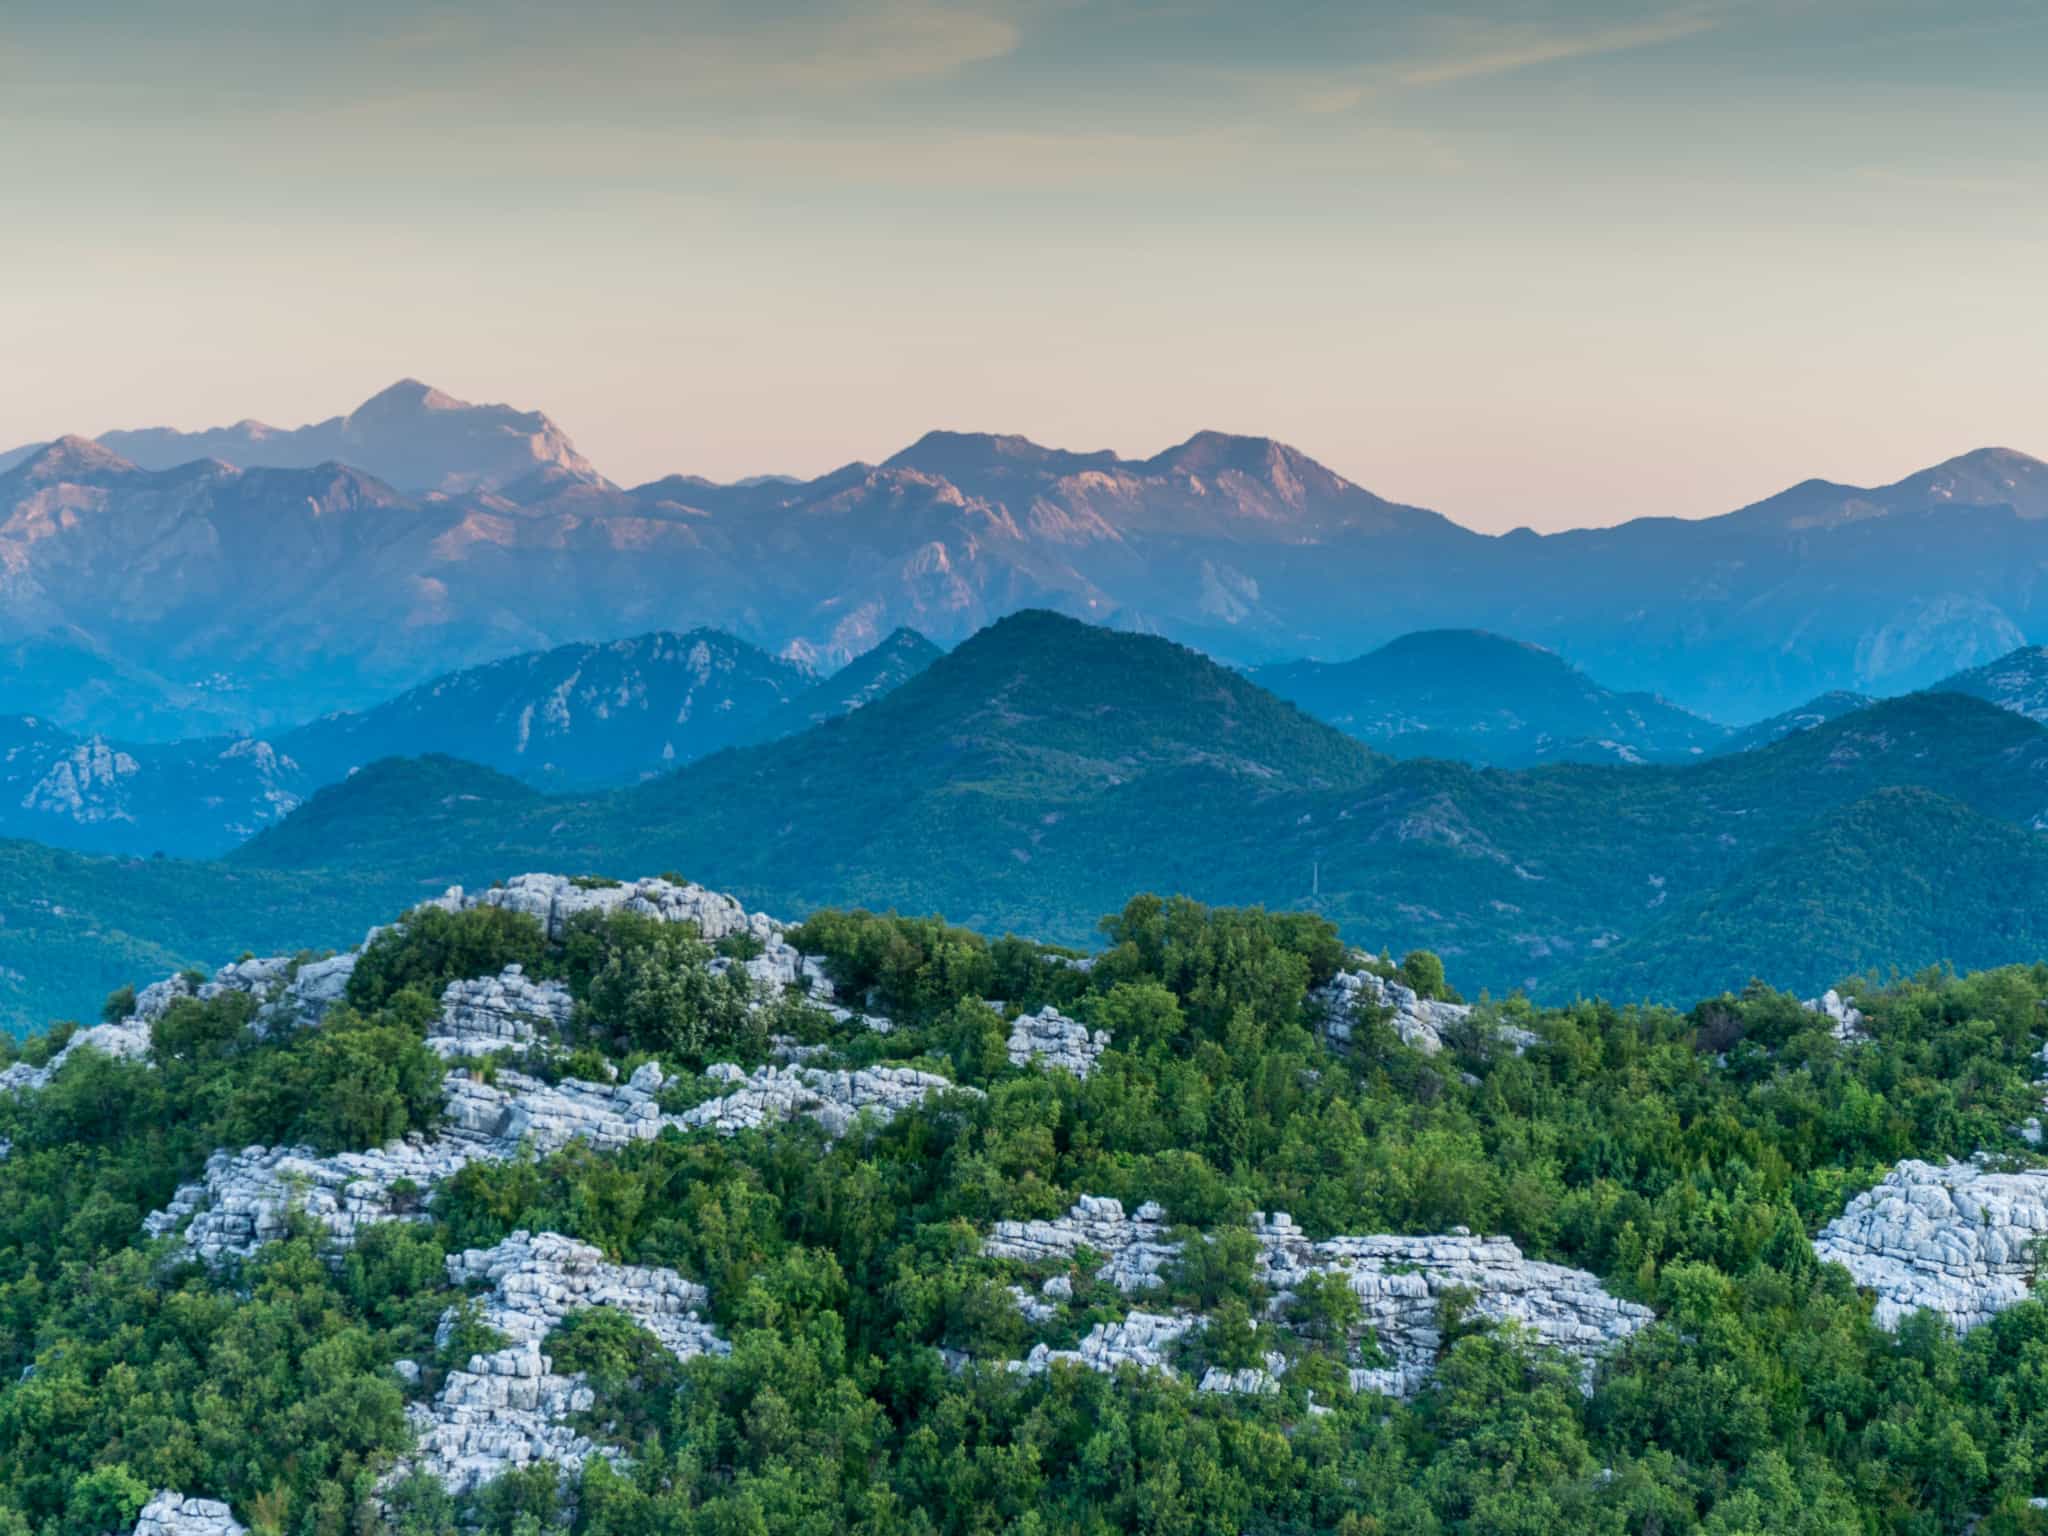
(1045, 768)
(1683, 1363)
(1483, 698)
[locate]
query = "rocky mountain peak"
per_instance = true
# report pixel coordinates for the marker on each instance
(71, 458)
(406, 398)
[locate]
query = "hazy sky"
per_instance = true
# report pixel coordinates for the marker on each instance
(1544, 264)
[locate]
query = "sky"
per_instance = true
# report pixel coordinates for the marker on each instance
(1541, 264)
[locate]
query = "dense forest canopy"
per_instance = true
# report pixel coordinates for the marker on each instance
(1685, 1159)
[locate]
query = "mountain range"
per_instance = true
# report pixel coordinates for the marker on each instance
(579, 716)
(328, 567)
(1040, 772)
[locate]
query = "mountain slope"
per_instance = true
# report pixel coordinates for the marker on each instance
(575, 716)
(1482, 698)
(2017, 681)
(866, 678)
(1027, 778)
(1933, 882)
(189, 798)
(1819, 711)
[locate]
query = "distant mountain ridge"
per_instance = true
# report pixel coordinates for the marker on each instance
(449, 535)
(594, 715)
(1482, 698)
(578, 717)
(1033, 774)
(410, 435)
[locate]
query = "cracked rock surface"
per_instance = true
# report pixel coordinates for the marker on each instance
(1419, 1021)
(510, 1408)
(1400, 1283)
(834, 1099)
(1954, 1238)
(501, 1012)
(1051, 1039)
(172, 1514)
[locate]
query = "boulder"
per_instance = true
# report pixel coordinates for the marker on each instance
(172, 1514)
(1051, 1039)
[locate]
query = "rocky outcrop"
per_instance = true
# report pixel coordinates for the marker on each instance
(1845, 1016)
(245, 1199)
(1142, 1339)
(539, 1280)
(510, 1408)
(1134, 1248)
(1419, 1021)
(128, 1039)
(553, 900)
(504, 1410)
(1953, 1238)
(501, 1012)
(833, 1099)
(1051, 1039)
(172, 1514)
(1401, 1283)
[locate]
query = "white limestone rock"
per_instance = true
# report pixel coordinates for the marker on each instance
(1419, 1021)
(539, 1280)
(127, 1040)
(553, 900)
(1400, 1282)
(510, 1408)
(245, 1199)
(1953, 1238)
(505, 1410)
(1051, 1039)
(834, 1099)
(501, 1012)
(1142, 1339)
(1845, 1016)
(172, 1514)
(1134, 1248)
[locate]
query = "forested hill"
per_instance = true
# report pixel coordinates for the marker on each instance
(1030, 778)
(1483, 698)
(572, 1205)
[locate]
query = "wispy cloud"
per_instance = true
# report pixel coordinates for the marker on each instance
(1471, 49)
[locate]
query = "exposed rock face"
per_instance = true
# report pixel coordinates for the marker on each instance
(172, 1514)
(1142, 1339)
(499, 1012)
(509, 1408)
(291, 998)
(1419, 1021)
(1134, 1247)
(833, 1099)
(1400, 1283)
(1051, 1039)
(540, 1280)
(245, 1198)
(1846, 1017)
(504, 1410)
(1954, 1238)
(128, 1039)
(554, 899)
